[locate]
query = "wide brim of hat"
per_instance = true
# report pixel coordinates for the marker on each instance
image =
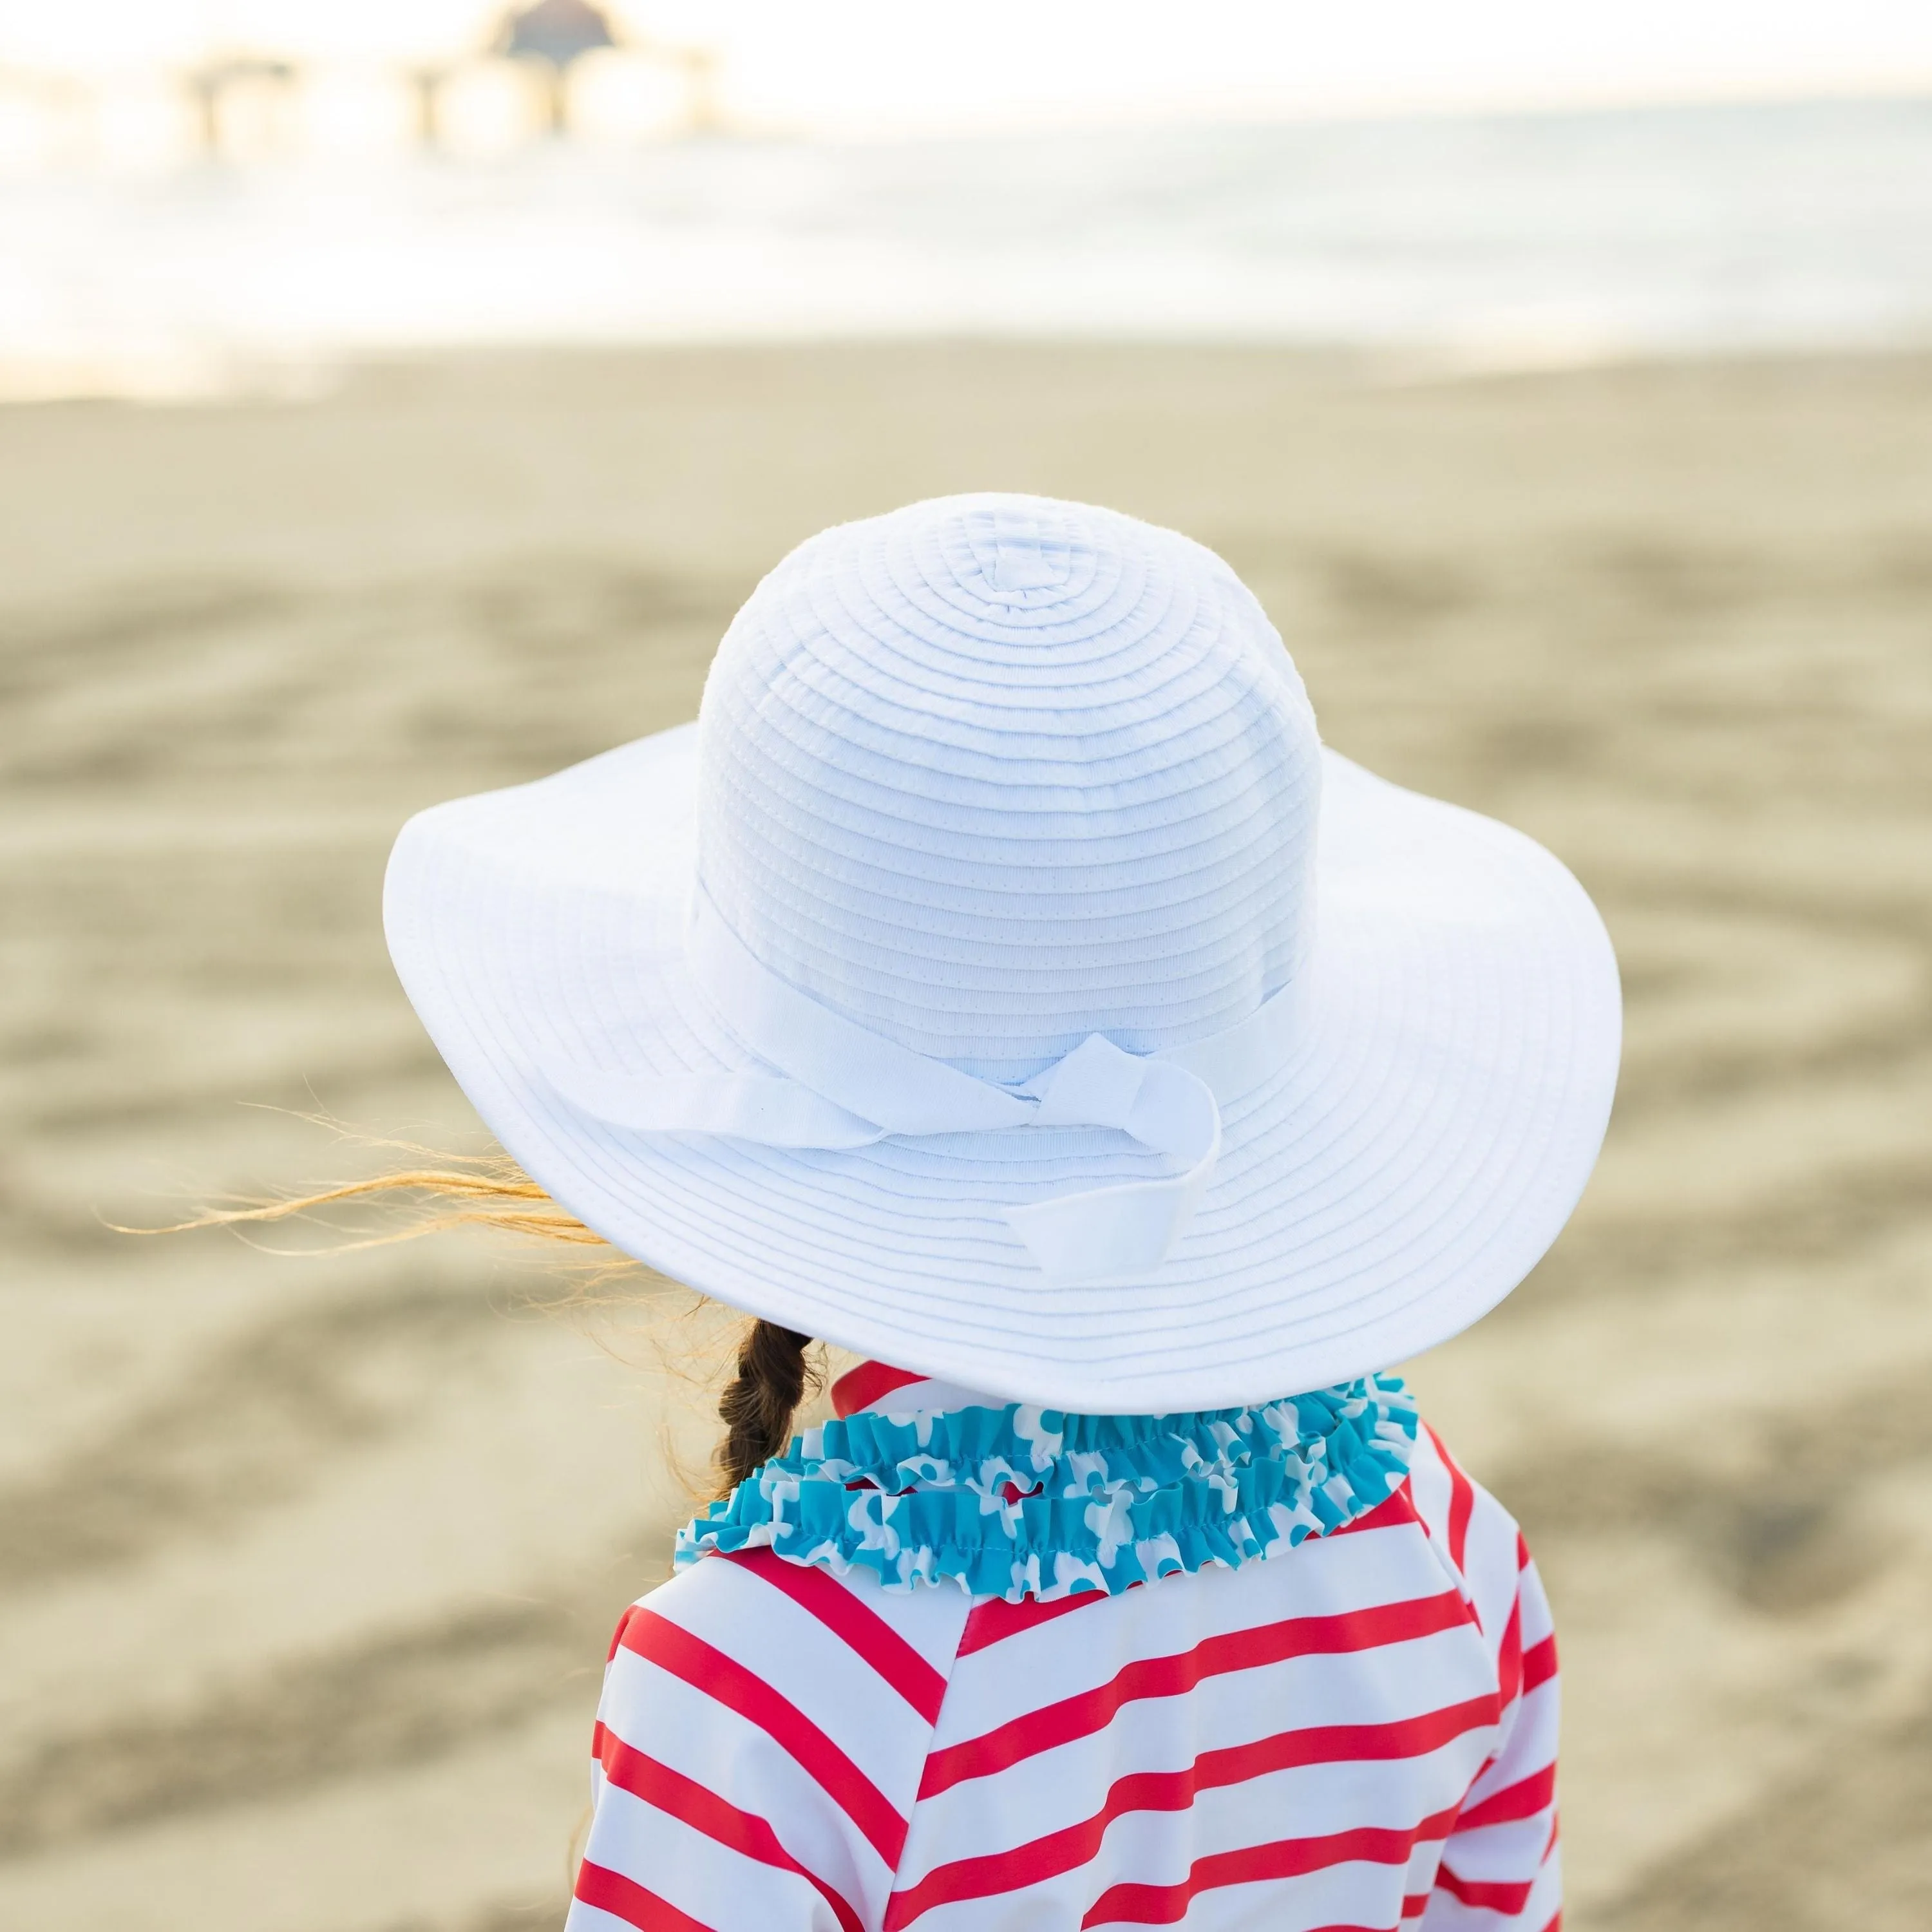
(1391, 1181)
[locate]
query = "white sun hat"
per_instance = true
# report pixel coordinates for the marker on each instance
(1000, 979)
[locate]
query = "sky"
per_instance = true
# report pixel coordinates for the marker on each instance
(859, 67)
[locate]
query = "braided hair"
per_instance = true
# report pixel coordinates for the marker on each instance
(757, 1405)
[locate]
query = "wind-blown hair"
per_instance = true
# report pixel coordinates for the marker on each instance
(434, 1193)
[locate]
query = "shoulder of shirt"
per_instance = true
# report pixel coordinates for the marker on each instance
(748, 1690)
(784, 1621)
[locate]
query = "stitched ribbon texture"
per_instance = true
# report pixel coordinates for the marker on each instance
(1022, 1501)
(835, 1084)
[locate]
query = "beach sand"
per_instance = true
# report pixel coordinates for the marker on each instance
(307, 1567)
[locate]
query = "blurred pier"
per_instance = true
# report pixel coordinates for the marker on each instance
(555, 68)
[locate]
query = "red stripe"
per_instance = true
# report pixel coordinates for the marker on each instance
(1539, 1663)
(988, 1624)
(1462, 1503)
(683, 1798)
(1484, 1895)
(1046, 1857)
(1556, 1924)
(1524, 1799)
(613, 1892)
(1091, 1711)
(1397, 1507)
(860, 1387)
(1286, 1858)
(1413, 1906)
(1509, 1656)
(861, 1630)
(727, 1682)
(993, 1623)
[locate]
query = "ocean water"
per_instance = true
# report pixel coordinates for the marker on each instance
(1499, 240)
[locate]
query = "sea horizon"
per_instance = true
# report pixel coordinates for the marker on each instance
(1495, 240)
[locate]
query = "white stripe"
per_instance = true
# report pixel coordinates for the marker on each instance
(1388, 1685)
(1490, 1563)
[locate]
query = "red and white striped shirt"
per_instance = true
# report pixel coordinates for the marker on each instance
(1357, 1735)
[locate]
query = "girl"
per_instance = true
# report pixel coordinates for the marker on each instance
(999, 980)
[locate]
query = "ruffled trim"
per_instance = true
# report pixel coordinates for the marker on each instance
(1021, 1501)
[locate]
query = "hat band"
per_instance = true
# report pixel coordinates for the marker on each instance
(838, 1086)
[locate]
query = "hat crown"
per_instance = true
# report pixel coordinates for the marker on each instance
(991, 773)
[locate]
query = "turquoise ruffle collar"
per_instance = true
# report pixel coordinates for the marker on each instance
(1022, 1501)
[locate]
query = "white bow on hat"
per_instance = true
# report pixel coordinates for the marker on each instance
(839, 1085)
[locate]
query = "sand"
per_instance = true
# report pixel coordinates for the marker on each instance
(306, 1567)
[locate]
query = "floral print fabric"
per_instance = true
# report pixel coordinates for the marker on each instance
(1022, 1501)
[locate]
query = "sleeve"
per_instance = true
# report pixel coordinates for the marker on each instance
(758, 1749)
(1501, 1869)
